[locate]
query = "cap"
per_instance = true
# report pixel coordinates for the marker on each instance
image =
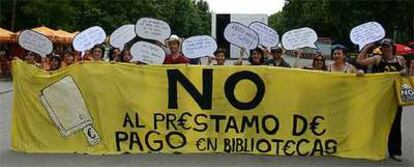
(386, 41)
(276, 49)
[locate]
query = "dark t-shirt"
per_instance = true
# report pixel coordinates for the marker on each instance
(273, 63)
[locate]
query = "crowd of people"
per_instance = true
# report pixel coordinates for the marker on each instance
(258, 56)
(387, 61)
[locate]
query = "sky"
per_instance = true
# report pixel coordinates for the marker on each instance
(246, 6)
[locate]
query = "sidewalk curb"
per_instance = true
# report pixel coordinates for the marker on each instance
(6, 91)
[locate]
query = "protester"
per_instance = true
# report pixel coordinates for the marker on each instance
(387, 62)
(68, 58)
(98, 53)
(277, 60)
(175, 56)
(318, 61)
(87, 56)
(30, 58)
(256, 57)
(126, 55)
(219, 56)
(54, 63)
(115, 55)
(339, 53)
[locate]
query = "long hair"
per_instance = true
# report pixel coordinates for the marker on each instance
(99, 47)
(58, 59)
(260, 51)
(111, 53)
(323, 61)
(126, 49)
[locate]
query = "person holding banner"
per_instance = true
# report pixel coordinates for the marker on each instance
(256, 57)
(115, 55)
(30, 58)
(220, 57)
(339, 53)
(126, 55)
(87, 56)
(277, 60)
(97, 53)
(54, 63)
(175, 56)
(68, 58)
(318, 61)
(387, 62)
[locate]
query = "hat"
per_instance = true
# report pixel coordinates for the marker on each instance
(386, 41)
(276, 49)
(173, 38)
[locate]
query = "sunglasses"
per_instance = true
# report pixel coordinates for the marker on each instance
(320, 60)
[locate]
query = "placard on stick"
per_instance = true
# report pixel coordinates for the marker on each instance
(122, 35)
(35, 42)
(268, 37)
(147, 53)
(88, 38)
(241, 36)
(299, 38)
(149, 28)
(199, 46)
(366, 33)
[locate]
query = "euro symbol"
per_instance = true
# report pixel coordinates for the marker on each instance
(91, 133)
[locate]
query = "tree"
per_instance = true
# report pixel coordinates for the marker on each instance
(335, 19)
(186, 17)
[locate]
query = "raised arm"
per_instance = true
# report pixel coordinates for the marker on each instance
(403, 64)
(298, 54)
(362, 57)
(240, 60)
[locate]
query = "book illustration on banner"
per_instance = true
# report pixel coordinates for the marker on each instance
(66, 107)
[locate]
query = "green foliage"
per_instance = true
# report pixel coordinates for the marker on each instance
(335, 18)
(186, 17)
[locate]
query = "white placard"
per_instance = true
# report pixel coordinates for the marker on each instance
(199, 46)
(241, 36)
(147, 53)
(299, 38)
(366, 33)
(35, 42)
(153, 29)
(268, 37)
(122, 35)
(88, 38)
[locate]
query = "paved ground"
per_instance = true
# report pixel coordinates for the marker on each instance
(10, 158)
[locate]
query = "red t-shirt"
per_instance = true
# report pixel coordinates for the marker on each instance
(179, 60)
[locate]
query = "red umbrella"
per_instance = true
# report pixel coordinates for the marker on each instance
(403, 50)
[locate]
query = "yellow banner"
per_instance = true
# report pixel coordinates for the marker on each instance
(104, 108)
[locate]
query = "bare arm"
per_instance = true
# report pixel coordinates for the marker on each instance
(298, 55)
(240, 60)
(363, 60)
(210, 60)
(402, 61)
